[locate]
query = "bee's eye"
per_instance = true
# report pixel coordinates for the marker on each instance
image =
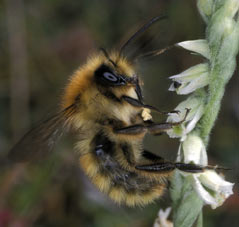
(106, 77)
(109, 76)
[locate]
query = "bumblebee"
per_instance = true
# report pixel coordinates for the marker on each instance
(103, 104)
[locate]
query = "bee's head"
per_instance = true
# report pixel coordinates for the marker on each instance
(117, 76)
(109, 74)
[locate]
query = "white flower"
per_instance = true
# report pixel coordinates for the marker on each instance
(199, 46)
(194, 150)
(190, 80)
(210, 186)
(162, 221)
(196, 106)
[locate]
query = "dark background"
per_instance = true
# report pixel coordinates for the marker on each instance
(41, 44)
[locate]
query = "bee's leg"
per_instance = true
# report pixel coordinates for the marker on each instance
(159, 128)
(132, 130)
(137, 103)
(169, 166)
(191, 168)
(151, 127)
(156, 167)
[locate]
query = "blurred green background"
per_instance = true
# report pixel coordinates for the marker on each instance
(41, 44)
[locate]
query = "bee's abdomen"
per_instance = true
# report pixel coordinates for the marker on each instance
(133, 189)
(124, 186)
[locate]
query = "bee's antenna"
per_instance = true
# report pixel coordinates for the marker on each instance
(140, 31)
(107, 56)
(154, 53)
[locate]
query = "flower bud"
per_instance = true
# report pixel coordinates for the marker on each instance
(205, 8)
(231, 7)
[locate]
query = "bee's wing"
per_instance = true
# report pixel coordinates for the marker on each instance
(41, 139)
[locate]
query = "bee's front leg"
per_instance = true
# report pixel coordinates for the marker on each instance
(159, 128)
(153, 128)
(150, 127)
(137, 103)
(132, 130)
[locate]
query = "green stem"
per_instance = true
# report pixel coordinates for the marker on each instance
(224, 48)
(211, 112)
(222, 35)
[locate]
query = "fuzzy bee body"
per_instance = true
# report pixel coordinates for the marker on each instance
(103, 104)
(109, 158)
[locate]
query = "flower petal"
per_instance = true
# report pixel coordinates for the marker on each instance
(215, 182)
(199, 82)
(198, 46)
(196, 106)
(162, 221)
(203, 193)
(190, 73)
(191, 125)
(212, 188)
(190, 79)
(194, 150)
